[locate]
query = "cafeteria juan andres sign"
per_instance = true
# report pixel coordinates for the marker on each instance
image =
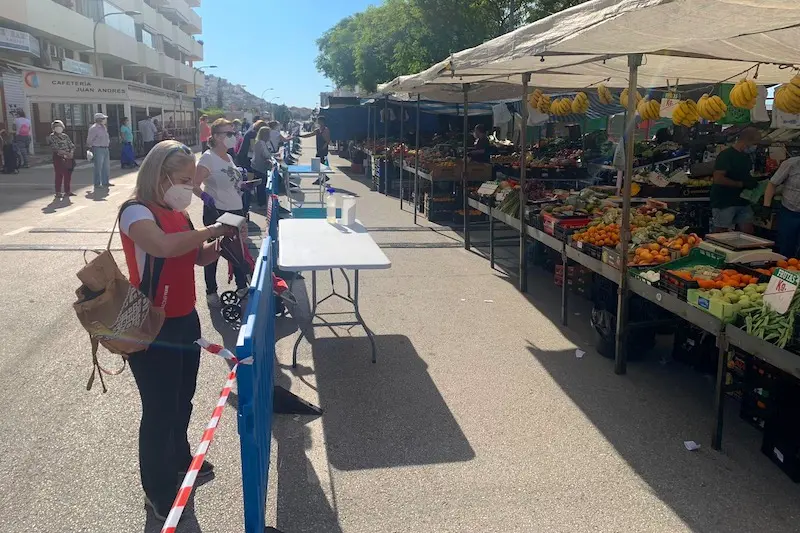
(46, 84)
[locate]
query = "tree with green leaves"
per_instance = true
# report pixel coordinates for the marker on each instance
(404, 36)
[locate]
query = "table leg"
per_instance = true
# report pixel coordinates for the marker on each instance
(360, 319)
(491, 241)
(310, 318)
(564, 288)
(719, 391)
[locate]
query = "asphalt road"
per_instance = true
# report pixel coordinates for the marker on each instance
(478, 415)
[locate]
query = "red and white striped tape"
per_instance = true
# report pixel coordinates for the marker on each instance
(171, 523)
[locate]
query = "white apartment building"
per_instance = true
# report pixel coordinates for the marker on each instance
(68, 59)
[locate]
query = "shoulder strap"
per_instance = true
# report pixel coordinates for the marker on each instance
(152, 265)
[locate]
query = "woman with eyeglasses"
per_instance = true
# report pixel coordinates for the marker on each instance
(161, 249)
(221, 193)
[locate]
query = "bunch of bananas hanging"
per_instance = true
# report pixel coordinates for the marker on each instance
(604, 95)
(711, 107)
(623, 98)
(787, 96)
(580, 104)
(649, 109)
(561, 107)
(533, 98)
(543, 106)
(685, 114)
(744, 94)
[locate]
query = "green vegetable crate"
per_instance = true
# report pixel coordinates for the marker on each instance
(721, 309)
(697, 256)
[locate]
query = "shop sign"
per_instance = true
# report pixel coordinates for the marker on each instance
(77, 67)
(42, 84)
(781, 289)
(20, 41)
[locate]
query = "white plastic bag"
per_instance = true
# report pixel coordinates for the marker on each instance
(89, 155)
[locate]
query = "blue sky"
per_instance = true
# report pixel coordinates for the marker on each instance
(271, 43)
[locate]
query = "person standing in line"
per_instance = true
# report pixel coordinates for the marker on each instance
(262, 163)
(63, 158)
(170, 129)
(221, 193)
(788, 175)
(732, 175)
(127, 156)
(98, 140)
(205, 133)
(237, 128)
(22, 136)
(155, 230)
(148, 132)
(159, 135)
(245, 148)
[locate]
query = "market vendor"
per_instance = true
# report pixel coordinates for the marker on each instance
(732, 168)
(481, 149)
(788, 175)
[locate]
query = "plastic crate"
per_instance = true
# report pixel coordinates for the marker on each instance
(679, 286)
(591, 250)
(562, 232)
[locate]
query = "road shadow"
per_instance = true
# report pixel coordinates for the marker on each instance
(56, 204)
(302, 504)
(383, 415)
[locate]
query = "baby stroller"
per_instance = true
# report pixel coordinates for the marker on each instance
(234, 250)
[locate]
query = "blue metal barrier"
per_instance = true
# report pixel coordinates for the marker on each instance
(255, 382)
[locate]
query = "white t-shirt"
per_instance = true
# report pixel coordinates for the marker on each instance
(23, 126)
(275, 140)
(223, 181)
(135, 213)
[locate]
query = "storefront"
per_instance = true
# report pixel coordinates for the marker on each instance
(47, 95)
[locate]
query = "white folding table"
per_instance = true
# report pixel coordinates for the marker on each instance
(305, 171)
(315, 244)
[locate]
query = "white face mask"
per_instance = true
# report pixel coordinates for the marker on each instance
(58, 129)
(230, 142)
(178, 197)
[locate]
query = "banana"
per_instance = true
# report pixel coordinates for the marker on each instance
(744, 94)
(580, 104)
(533, 98)
(544, 104)
(623, 98)
(604, 95)
(685, 114)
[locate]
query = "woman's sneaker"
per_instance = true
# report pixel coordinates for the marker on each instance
(160, 510)
(242, 293)
(206, 470)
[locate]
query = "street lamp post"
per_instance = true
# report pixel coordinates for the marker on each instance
(265, 91)
(94, 34)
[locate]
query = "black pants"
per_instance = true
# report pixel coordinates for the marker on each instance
(166, 375)
(148, 145)
(210, 216)
(323, 157)
(204, 146)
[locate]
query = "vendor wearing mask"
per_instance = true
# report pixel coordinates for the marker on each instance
(481, 148)
(732, 168)
(788, 175)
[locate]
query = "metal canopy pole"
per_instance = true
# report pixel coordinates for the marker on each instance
(465, 87)
(385, 145)
(374, 146)
(621, 356)
(402, 158)
(416, 166)
(523, 271)
(369, 120)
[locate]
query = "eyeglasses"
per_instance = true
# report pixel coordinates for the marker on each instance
(180, 148)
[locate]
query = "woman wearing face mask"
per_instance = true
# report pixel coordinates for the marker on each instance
(221, 193)
(161, 249)
(63, 158)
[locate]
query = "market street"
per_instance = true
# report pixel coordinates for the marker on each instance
(478, 416)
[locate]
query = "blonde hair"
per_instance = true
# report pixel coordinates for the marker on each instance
(215, 126)
(166, 158)
(263, 134)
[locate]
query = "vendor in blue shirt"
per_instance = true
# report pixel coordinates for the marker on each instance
(481, 149)
(732, 174)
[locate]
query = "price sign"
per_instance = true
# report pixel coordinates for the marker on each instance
(781, 289)
(501, 195)
(488, 188)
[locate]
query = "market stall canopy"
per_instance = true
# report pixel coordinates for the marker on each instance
(434, 107)
(694, 40)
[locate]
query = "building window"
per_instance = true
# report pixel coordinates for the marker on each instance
(122, 22)
(69, 54)
(84, 58)
(148, 39)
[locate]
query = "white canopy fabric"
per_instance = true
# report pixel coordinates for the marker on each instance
(695, 41)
